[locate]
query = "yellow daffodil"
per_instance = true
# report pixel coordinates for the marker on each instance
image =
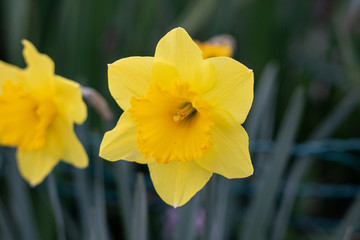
(37, 113)
(217, 46)
(182, 116)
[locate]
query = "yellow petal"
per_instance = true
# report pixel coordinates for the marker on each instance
(74, 152)
(120, 142)
(34, 166)
(177, 182)
(233, 87)
(69, 99)
(61, 143)
(40, 68)
(229, 155)
(129, 77)
(9, 72)
(204, 77)
(164, 74)
(177, 48)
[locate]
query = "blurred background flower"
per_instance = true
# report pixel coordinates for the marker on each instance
(222, 45)
(38, 111)
(304, 138)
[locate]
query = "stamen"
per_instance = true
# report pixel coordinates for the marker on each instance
(186, 110)
(187, 132)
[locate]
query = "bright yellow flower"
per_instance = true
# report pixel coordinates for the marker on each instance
(37, 113)
(182, 116)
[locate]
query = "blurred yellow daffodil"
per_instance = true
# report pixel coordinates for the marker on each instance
(217, 46)
(182, 116)
(37, 113)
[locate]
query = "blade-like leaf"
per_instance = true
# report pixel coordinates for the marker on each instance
(186, 219)
(122, 172)
(196, 15)
(5, 226)
(56, 205)
(21, 205)
(351, 218)
(298, 170)
(99, 191)
(256, 224)
(139, 221)
(264, 90)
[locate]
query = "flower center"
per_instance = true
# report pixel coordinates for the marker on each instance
(169, 126)
(186, 110)
(24, 119)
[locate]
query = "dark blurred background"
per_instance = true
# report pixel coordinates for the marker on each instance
(304, 125)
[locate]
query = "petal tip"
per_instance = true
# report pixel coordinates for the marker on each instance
(25, 41)
(27, 44)
(83, 165)
(101, 155)
(178, 30)
(181, 29)
(33, 184)
(103, 152)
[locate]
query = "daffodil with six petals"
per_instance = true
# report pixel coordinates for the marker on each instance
(182, 116)
(37, 113)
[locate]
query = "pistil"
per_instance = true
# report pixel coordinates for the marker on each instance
(186, 110)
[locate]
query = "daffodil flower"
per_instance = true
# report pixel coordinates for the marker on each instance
(182, 116)
(217, 46)
(37, 113)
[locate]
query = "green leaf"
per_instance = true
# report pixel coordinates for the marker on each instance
(101, 224)
(196, 15)
(186, 219)
(17, 14)
(56, 205)
(20, 201)
(301, 166)
(256, 225)
(139, 221)
(264, 91)
(349, 221)
(122, 172)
